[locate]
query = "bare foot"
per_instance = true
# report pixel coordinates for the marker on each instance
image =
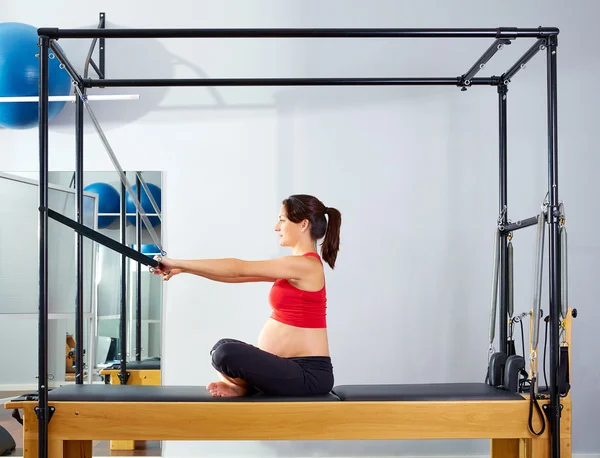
(224, 389)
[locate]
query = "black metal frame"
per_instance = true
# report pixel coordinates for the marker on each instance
(546, 38)
(138, 289)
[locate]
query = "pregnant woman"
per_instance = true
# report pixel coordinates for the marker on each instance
(292, 356)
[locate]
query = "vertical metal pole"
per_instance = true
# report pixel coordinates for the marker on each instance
(102, 46)
(42, 408)
(79, 240)
(553, 410)
(503, 208)
(123, 323)
(138, 241)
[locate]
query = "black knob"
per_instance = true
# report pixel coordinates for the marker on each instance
(574, 313)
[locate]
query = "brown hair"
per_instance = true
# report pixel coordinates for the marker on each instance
(302, 206)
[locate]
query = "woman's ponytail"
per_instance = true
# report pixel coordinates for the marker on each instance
(331, 243)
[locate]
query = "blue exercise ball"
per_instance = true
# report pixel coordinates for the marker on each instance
(109, 201)
(149, 249)
(146, 204)
(19, 76)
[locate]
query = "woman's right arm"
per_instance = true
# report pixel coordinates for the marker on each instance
(221, 279)
(236, 279)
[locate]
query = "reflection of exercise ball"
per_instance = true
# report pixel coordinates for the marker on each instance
(149, 249)
(146, 204)
(109, 201)
(19, 76)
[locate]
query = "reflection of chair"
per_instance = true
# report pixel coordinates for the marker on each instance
(145, 372)
(107, 350)
(70, 355)
(70, 352)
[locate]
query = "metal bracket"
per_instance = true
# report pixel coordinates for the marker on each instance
(548, 409)
(99, 68)
(40, 413)
(551, 40)
(126, 377)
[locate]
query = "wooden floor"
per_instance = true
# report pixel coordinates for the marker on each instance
(101, 448)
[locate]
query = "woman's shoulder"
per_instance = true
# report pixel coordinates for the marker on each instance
(313, 254)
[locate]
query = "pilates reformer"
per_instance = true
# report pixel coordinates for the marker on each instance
(125, 413)
(65, 420)
(82, 413)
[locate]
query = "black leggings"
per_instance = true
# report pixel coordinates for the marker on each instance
(270, 374)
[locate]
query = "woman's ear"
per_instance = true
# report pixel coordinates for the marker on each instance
(304, 225)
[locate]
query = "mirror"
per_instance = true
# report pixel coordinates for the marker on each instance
(102, 279)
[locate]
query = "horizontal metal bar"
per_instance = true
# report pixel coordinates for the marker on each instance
(51, 316)
(103, 239)
(453, 81)
(71, 98)
(520, 224)
(127, 214)
(500, 32)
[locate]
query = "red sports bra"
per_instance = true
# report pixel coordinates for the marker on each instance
(293, 306)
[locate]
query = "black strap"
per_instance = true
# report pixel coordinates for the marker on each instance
(563, 372)
(511, 347)
(533, 402)
(103, 239)
(17, 416)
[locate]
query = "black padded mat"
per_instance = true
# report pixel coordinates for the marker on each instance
(424, 392)
(161, 393)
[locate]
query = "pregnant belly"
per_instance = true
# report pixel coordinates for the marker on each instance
(290, 341)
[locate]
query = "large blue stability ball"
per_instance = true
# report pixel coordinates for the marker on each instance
(149, 249)
(19, 76)
(146, 204)
(109, 201)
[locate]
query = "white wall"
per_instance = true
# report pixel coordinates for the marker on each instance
(413, 281)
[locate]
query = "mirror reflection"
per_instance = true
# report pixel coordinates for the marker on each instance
(105, 328)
